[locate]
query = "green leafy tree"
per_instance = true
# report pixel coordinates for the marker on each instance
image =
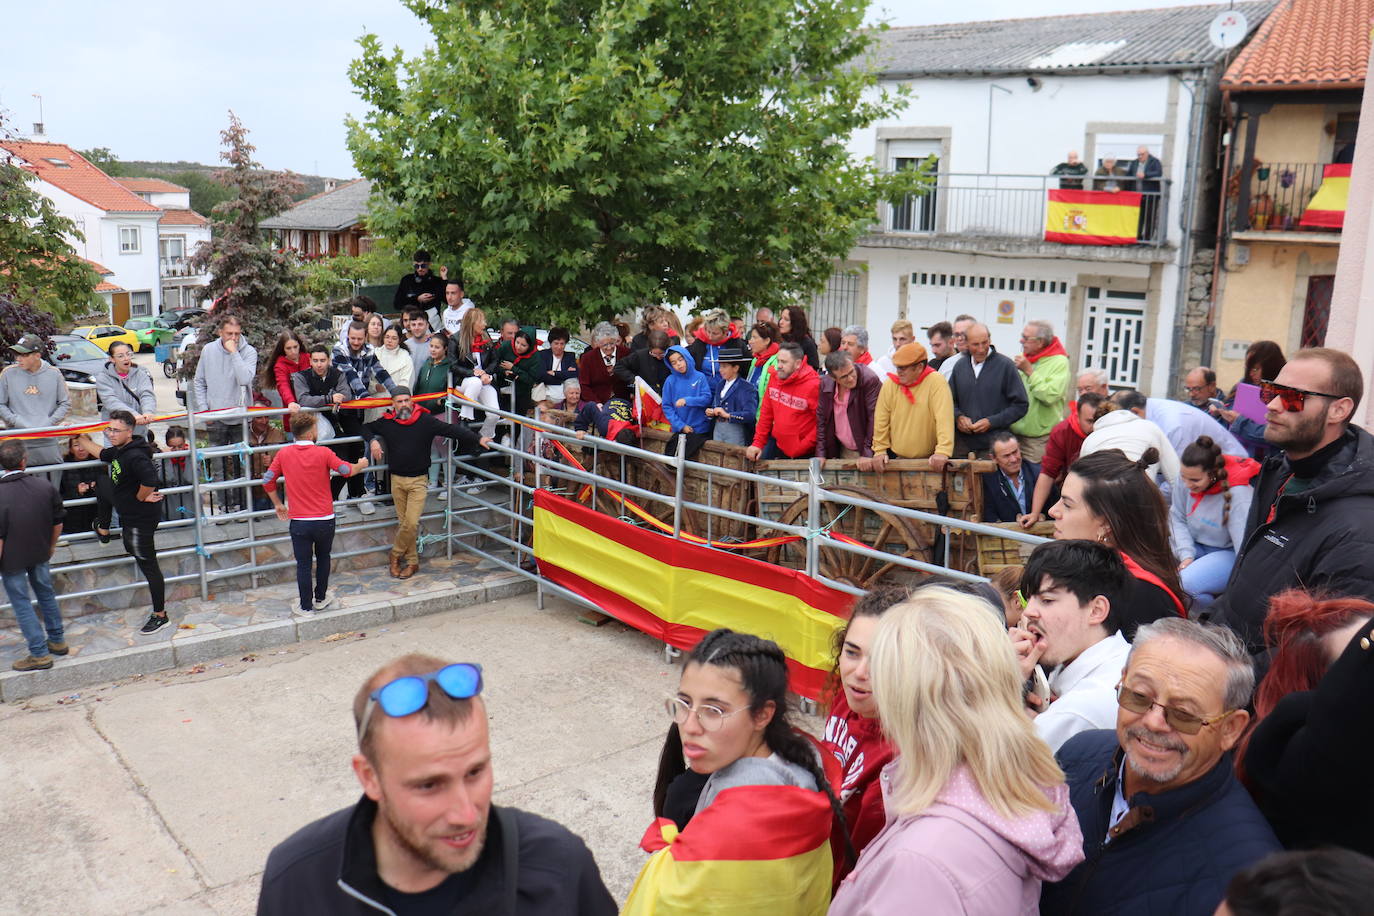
(586, 158)
(39, 267)
(333, 278)
(249, 276)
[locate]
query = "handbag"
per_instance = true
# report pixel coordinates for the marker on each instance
(540, 392)
(324, 430)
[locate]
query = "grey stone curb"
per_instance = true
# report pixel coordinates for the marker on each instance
(176, 649)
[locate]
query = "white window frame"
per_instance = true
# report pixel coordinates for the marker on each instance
(134, 304)
(166, 240)
(137, 247)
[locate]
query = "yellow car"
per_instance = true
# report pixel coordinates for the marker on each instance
(103, 335)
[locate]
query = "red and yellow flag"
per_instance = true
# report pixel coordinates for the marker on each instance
(649, 407)
(1092, 217)
(754, 851)
(1327, 209)
(677, 592)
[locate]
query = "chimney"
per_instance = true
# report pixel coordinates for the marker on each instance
(329, 185)
(37, 129)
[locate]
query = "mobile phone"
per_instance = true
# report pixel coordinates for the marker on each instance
(1038, 684)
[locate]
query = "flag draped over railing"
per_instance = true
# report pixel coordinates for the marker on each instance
(1327, 209)
(1092, 217)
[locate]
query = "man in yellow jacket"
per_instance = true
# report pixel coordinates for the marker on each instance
(915, 413)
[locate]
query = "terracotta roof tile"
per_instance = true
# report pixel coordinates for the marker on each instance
(76, 176)
(1307, 44)
(150, 185)
(105, 286)
(98, 268)
(182, 218)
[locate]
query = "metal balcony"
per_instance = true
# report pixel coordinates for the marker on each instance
(1275, 197)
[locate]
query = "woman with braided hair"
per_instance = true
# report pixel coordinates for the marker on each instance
(744, 825)
(1109, 498)
(1208, 516)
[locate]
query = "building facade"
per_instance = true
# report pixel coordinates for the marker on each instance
(180, 231)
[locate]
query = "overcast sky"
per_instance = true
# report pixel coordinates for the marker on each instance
(154, 79)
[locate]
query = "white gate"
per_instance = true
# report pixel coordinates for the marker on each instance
(1114, 335)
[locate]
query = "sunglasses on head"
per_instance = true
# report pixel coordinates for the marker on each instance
(410, 694)
(1292, 398)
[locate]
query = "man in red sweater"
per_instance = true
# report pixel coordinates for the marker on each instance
(787, 422)
(307, 466)
(1061, 451)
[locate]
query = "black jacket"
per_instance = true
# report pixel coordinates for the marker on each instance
(465, 365)
(1308, 761)
(80, 518)
(407, 444)
(131, 467)
(1320, 538)
(996, 393)
(29, 508)
(1171, 855)
(330, 867)
(999, 500)
(409, 289)
(653, 371)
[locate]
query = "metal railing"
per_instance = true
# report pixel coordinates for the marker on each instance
(1275, 197)
(176, 267)
(262, 527)
(1011, 206)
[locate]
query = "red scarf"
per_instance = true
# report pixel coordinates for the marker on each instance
(866, 359)
(1054, 349)
(526, 355)
(1144, 575)
(1074, 423)
(906, 389)
(415, 411)
(766, 355)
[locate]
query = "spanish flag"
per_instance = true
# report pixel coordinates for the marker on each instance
(1327, 209)
(649, 407)
(677, 592)
(755, 851)
(1092, 217)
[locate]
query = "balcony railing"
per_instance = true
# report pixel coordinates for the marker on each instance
(176, 267)
(1007, 207)
(1275, 197)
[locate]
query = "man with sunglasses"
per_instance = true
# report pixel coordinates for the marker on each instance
(1311, 523)
(421, 289)
(425, 837)
(1165, 821)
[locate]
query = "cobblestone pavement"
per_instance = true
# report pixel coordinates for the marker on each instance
(163, 793)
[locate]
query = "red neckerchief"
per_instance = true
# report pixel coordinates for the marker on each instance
(1054, 349)
(1144, 575)
(179, 462)
(866, 359)
(415, 412)
(1074, 423)
(1239, 473)
(906, 389)
(1274, 506)
(526, 355)
(766, 355)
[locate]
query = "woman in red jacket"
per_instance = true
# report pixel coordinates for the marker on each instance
(289, 354)
(852, 730)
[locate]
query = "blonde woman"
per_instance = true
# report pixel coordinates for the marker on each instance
(978, 813)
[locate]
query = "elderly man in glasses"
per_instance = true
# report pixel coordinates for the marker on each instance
(425, 836)
(1311, 523)
(1166, 823)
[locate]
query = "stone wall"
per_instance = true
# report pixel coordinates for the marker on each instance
(1193, 321)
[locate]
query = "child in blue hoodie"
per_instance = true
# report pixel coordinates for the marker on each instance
(687, 392)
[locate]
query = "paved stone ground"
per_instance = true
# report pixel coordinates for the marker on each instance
(163, 793)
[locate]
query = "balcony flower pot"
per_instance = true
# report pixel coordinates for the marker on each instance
(1262, 173)
(1261, 210)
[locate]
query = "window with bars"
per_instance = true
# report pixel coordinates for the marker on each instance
(974, 281)
(838, 304)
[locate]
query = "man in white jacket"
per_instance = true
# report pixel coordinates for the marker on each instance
(1069, 629)
(1133, 434)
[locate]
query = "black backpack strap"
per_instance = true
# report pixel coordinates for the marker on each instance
(510, 856)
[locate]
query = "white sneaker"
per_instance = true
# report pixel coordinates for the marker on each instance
(303, 612)
(366, 507)
(443, 494)
(329, 601)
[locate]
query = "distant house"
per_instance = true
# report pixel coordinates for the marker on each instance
(329, 223)
(998, 105)
(179, 231)
(120, 228)
(1295, 91)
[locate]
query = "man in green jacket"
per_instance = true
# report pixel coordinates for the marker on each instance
(1044, 368)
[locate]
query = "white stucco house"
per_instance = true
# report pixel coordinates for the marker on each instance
(179, 231)
(999, 104)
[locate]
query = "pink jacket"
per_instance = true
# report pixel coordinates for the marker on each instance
(960, 856)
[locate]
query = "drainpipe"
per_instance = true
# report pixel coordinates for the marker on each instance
(1209, 331)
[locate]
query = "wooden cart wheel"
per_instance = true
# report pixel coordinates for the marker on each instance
(874, 528)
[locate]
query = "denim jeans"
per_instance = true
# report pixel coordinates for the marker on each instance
(312, 537)
(1205, 578)
(17, 588)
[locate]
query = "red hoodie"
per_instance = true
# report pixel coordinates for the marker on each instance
(858, 744)
(281, 374)
(789, 412)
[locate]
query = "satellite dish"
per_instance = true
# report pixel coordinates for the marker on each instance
(1228, 29)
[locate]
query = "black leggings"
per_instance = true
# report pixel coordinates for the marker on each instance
(138, 543)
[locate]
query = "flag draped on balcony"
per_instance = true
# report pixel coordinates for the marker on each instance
(1092, 217)
(1327, 209)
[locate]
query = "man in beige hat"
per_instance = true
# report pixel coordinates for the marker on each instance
(915, 413)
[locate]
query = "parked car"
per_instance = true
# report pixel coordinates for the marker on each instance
(180, 318)
(103, 335)
(78, 359)
(150, 331)
(169, 368)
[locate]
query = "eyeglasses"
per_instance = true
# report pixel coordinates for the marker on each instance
(843, 376)
(710, 717)
(407, 695)
(1182, 722)
(1292, 398)
(1196, 387)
